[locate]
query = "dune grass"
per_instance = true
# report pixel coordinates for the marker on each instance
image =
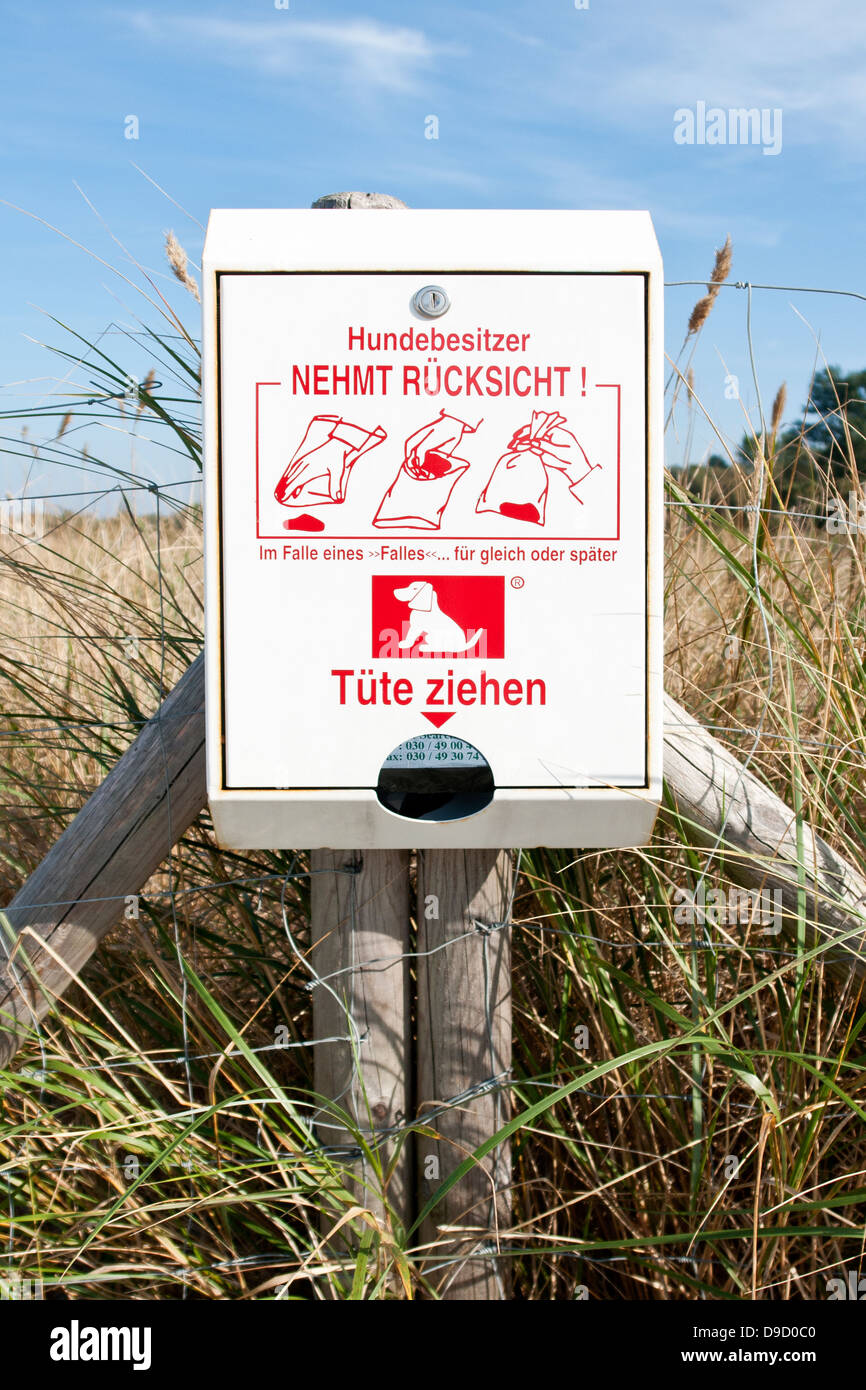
(688, 1098)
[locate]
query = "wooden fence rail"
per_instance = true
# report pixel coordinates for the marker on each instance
(125, 830)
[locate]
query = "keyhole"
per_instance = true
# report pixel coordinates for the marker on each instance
(431, 301)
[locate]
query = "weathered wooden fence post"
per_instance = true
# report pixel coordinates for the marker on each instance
(360, 913)
(125, 830)
(464, 1045)
(360, 937)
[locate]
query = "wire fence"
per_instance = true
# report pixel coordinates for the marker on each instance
(652, 949)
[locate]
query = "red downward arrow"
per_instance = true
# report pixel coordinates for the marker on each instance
(438, 719)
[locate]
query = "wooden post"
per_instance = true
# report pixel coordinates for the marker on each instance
(360, 935)
(360, 913)
(464, 1009)
(121, 835)
(358, 200)
(713, 794)
(464, 1043)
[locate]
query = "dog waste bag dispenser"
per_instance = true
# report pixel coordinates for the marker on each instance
(433, 521)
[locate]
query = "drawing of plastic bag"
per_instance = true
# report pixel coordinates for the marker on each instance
(422, 489)
(320, 466)
(518, 485)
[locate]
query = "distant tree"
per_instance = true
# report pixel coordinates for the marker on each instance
(823, 450)
(835, 418)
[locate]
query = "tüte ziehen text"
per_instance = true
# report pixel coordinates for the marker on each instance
(369, 687)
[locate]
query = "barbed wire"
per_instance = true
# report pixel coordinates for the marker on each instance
(103, 492)
(732, 730)
(751, 285)
(688, 503)
(318, 1117)
(379, 963)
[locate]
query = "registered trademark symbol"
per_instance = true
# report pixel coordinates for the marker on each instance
(517, 582)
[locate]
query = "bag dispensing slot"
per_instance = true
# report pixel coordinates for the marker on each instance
(435, 778)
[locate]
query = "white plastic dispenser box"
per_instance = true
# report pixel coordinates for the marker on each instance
(433, 513)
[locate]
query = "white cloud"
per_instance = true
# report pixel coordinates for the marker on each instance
(795, 54)
(362, 51)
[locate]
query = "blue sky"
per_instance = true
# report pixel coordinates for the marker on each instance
(539, 105)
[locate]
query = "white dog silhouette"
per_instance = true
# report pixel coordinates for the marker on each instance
(427, 620)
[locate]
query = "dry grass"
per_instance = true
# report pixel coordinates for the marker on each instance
(728, 1159)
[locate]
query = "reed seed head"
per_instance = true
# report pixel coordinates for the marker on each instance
(722, 268)
(719, 274)
(701, 313)
(178, 260)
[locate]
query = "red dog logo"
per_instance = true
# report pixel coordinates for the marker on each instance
(438, 615)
